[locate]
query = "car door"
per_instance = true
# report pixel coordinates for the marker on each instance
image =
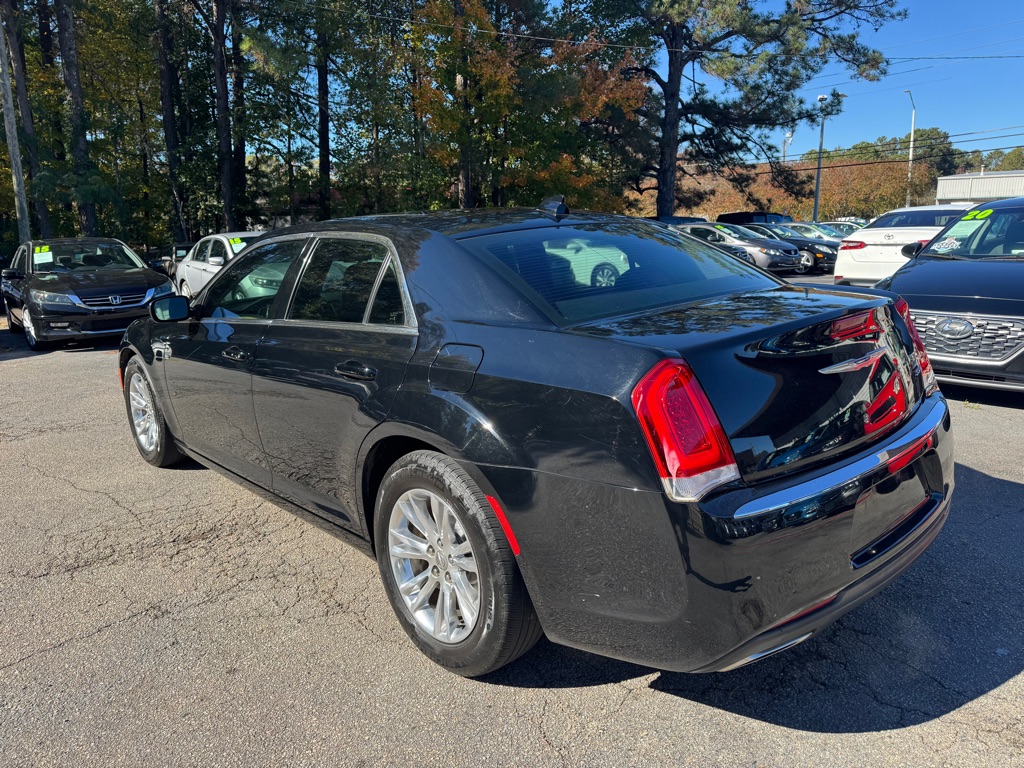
(208, 360)
(328, 372)
(195, 266)
(14, 288)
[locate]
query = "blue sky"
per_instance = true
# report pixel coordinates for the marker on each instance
(959, 97)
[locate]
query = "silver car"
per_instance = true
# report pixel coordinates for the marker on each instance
(206, 259)
(775, 255)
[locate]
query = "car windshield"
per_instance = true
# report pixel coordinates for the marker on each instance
(917, 217)
(806, 230)
(986, 233)
(83, 256)
(783, 232)
(737, 231)
(238, 243)
(582, 273)
(828, 231)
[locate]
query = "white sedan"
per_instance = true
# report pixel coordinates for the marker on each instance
(875, 251)
(206, 258)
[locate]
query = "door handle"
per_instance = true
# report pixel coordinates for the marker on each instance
(235, 353)
(353, 369)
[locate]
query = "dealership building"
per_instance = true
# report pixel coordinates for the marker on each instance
(980, 187)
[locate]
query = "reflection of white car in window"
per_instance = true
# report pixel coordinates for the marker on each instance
(597, 266)
(206, 259)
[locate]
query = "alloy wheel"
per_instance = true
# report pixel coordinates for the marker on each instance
(434, 565)
(30, 329)
(806, 263)
(604, 277)
(143, 416)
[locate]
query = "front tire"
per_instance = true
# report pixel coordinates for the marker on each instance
(448, 569)
(806, 263)
(149, 429)
(184, 290)
(29, 328)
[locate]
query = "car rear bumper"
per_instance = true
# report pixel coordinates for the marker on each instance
(704, 587)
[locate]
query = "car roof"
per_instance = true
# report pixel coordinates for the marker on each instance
(456, 224)
(236, 234)
(937, 207)
(75, 240)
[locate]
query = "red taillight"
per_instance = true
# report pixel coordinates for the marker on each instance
(852, 245)
(927, 374)
(854, 326)
(690, 449)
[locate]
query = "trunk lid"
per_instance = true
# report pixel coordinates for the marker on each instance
(796, 376)
(887, 244)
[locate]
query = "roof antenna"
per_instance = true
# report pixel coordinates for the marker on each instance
(554, 205)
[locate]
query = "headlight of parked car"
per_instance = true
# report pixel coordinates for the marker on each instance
(827, 249)
(770, 251)
(45, 297)
(163, 290)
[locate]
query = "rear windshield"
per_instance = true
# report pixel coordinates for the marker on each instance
(925, 217)
(585, 272)
(982, 233)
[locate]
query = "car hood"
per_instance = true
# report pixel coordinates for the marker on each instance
(978, 287)
(808, 242)
(85, 283)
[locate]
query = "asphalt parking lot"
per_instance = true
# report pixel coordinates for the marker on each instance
(170, 617)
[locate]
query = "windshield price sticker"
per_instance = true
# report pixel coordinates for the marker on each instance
(964, 228)
(235, 240)
(42, 249)
(977, 215)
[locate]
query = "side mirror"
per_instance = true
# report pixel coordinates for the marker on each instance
(12, 274)
(216, 261)
(910, 250)
(169, 309)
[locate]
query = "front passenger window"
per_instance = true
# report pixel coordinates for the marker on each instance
(249, 286)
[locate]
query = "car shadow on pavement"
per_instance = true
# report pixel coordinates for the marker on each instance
(946, 632)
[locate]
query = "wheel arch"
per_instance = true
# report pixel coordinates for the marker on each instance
(384, 446)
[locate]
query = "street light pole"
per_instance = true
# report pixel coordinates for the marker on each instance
(821, 148)
(913, 124)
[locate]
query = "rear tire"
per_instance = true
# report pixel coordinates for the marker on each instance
(149, 429)
(448, 569)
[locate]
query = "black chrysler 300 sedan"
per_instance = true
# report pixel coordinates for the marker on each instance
(966, 294)
(64, 289)
(692, 468)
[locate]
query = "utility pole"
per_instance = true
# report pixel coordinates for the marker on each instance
(821, 148)
(11, 127)
(785, 143)
(913, 125)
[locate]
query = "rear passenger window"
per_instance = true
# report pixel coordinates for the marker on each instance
(338, 281)
(387, 304)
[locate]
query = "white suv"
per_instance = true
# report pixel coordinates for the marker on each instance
(875, 251)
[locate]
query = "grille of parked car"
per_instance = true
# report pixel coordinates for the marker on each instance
(990, 339)
(121, 300)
